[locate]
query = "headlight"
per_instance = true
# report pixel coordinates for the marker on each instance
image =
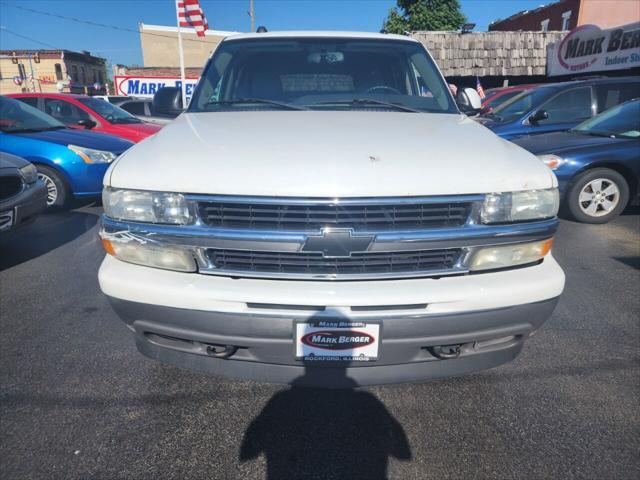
(552, 161)
(168, 258)
(517, 206)
(89, 155)
(29, 173)
(503, 256)
(141, 206)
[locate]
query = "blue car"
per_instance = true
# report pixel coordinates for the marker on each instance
(70, 162)
(558, 106)
(597, 163)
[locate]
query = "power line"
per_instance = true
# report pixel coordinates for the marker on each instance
(92, 23)
(5, 29)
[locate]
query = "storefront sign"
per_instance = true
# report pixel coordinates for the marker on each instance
(146, 87)
(589, 49)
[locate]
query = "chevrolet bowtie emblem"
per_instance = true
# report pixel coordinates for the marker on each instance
(337, 243)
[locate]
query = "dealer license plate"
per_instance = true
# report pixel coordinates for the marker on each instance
(335, 341)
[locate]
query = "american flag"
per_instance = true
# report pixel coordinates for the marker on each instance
(479, 88)
(191, 15)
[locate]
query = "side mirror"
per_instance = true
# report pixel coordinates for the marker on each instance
(168, 101)
(87, 123)
(468, 101)
(537, 116)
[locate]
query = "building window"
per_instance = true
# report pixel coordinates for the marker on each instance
(58, 68)
(544, 25)
(566, 17)
(82, 77)
(74, 73)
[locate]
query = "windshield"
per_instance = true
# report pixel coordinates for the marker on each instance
(517, 106)
(108, 111)
(321, 73)
(16, 117)
(620, 121)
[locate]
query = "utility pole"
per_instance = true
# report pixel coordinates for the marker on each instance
(252, 16)
(33, 81)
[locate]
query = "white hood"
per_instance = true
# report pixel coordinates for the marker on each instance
(327, 154)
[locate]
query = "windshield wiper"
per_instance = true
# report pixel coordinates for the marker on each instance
(243, 101)
(593, 133)
(34, 130)
(370, 101)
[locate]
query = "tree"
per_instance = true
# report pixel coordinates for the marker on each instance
(414, 15)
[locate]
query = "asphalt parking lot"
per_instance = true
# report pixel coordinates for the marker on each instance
(78, 401)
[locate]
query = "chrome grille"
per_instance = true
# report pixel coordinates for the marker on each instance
(301, 263)
(307, 217)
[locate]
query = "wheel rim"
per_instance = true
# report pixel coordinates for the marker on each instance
(599, 197)
(52, 190)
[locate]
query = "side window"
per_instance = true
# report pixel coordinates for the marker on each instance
(613, 94)
(29, 101)
(570, 106)
(65, 112)
(134, 108)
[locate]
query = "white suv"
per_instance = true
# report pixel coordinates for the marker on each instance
(323, 214)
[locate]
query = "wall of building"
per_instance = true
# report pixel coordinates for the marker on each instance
(45, 74)
(497, 54)
(609, 13)
(54, 67)
(160, 46)
(531, 20)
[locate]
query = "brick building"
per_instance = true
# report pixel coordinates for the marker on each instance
(51, 71)
(568, 14)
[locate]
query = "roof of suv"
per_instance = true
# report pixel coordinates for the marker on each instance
(322, 34)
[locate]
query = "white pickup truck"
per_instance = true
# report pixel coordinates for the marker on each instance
(324, 215)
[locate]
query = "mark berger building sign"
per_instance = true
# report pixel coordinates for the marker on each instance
(589, 49)
(146, 87)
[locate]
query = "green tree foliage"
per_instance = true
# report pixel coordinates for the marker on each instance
(413, 15)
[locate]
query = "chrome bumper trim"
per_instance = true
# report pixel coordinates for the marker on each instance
(198, 238)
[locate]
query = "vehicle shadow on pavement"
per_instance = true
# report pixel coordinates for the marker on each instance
(314, 433)
(46, 233)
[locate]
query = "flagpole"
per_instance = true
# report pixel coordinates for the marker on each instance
(181, 52)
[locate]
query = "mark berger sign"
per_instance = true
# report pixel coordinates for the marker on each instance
(589, 49)
(146, 87)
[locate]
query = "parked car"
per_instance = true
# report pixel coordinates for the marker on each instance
(597, 163)
(70, 162)
(22, 194)
(325, 224)
(144, 110)
(90, 113)
(497, 96)
(558, 106)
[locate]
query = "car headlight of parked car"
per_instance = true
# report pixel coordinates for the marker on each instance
(144, 206)
(552, 161)
(520, 206)
(29, 173)
(90, 155)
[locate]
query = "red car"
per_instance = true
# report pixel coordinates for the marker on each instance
(497, 96)
(95, 114)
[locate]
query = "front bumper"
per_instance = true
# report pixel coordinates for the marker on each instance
(31, 201)
(175, 316)
(264, 344)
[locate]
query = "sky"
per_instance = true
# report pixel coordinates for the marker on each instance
(21, 29)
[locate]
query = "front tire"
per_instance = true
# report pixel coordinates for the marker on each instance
(57, 190)
(597, 196)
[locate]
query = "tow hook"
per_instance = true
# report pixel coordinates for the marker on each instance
(445, 352)
(221, 351)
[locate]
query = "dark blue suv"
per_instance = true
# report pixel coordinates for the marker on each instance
(558, 106)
